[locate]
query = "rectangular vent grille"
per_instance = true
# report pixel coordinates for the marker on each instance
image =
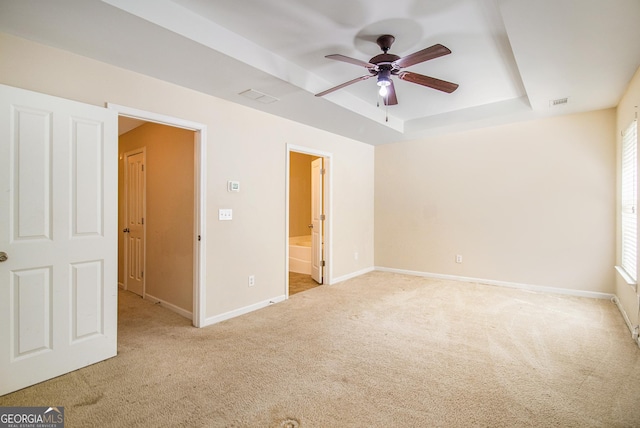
(258, 96)
(558, 102)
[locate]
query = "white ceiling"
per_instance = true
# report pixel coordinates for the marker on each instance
(510, 57)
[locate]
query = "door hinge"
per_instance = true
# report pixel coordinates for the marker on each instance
(323, 263)
(142, 167)
(322, 217)
(142, 220)
(142, 274)
(322, 171)
(198, 237)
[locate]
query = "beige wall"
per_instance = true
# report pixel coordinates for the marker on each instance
(627, 111)
(300, 194)
(169, 218)
(528, 203)
(242, 144)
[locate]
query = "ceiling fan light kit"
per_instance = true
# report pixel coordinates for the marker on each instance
(384, 80)
(384, 65)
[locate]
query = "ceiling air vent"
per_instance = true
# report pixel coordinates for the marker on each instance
(558, 102)
(258, 96)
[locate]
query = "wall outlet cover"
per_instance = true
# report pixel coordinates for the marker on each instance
(225, 214)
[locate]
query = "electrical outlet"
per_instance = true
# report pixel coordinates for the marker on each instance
(355, 255)
(252, 280)
(458, 258)
(225, 214)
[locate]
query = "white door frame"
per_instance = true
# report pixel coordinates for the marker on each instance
(317, 220)
(328, 222)
(199, 250)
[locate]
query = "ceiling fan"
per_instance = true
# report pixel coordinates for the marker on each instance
(384, 65)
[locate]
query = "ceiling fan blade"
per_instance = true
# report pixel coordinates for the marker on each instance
(350, 60)
(390, 99)
(432, 52)
(350, 82)
(431, 82)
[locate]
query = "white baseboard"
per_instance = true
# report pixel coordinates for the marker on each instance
(528, 287)
(169, 306)
(627, 321)
(241, 311)
(245, 310)
(352, 275)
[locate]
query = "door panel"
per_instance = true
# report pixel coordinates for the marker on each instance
(87, 178)
(31, 289)
(87, 301)
(317, 237)
(58, 225)
(31, 196)
(135, 188)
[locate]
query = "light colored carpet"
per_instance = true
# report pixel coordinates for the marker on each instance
(380, 350)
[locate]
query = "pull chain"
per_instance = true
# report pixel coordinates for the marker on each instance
(386, 107)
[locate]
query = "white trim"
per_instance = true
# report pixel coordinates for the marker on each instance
(242, 311)
(628, 194)
(287, 196)
(353, 275)
(200, 227)
(626, 277)
(527, 287)
(328, 209)
(199, 278)
(170, 306)
(627, 321)
(149, 116)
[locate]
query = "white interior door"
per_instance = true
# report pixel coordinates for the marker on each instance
(134, 222)
(317, 221)
(58, 227)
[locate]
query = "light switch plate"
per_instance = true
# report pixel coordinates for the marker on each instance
(225, 214)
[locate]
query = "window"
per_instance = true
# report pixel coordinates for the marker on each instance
(629, 199)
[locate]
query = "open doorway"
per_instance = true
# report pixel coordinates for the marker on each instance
(307, 204)
(161, 197)
(156, 206)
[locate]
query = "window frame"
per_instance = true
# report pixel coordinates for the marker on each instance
(628, 204)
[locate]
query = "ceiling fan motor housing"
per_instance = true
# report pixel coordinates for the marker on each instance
(385, 60)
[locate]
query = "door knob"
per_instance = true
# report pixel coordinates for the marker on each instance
(3, 256)
(311, 226)
(126, 230)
